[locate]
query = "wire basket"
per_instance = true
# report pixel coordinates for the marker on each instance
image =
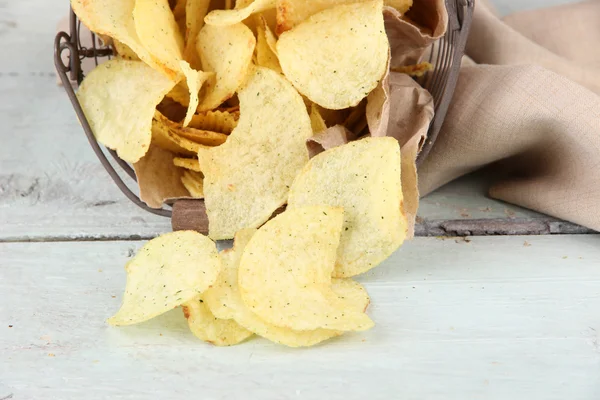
(445, 55)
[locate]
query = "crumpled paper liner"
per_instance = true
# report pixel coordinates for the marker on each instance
(411, 35)
(158, 178)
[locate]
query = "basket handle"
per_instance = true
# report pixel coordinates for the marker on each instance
(68, 43)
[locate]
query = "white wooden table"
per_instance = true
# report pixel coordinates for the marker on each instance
(484, 318)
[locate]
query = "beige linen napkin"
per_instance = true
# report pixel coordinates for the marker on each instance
(534, 117)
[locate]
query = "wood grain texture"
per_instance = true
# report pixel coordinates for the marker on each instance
(490, 318)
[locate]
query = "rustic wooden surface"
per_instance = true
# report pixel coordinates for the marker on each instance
(490, 318)
(479, 318)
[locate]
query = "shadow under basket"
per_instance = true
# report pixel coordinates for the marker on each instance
(70, 56)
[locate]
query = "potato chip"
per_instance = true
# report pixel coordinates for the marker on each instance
(237, 15)
(195, 80)
(269, 35)
(316, 120)
(167, 135)
(119, 98)
(194, 183)
(337, 56)
(377, 111)
(176, 132)
(207, 138)
(158, 178)
(292, 12)
(179, 10)
(194, 19)
(226, 51)
(168, 271)
(285, 272)
(164, 138)
(225, 301)
(158, 32)
(417, 70)
(124, 51)
(401, 5)
(265, 56)
(163, 40)
(205, 326)
(188, 163)
(171, 109)
(216, 121)
(357, 118)
(223, 297)
(115, 19)
(181, 94)
(351, 293)
(248, 177)
(363, 177)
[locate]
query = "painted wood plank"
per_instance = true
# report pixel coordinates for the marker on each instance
(492, 318)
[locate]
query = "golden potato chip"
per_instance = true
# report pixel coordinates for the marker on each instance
(401, 5)
(205, 326)
(337, 56)
(113, 18)
(157, 177)
(285, 272)
(237, 15)
(248, 177)
(223, 298)
(363, 177)
(292, 12)
(270, 36)
(265, 56)
(194, 183)
(316, 120)
(119, 98)
(171, 109)
(207, 138)
(182, 135)
(168, 271)
(124, 51)
(163, 137)
(216, 121)
(181, 94)
(179, 10)
(158, 32)
(356, 114)
(225, 301)
(167, 135)
(195, 80)
(194, 16)
(417, 70)
(163, 40)
(188, 163)
(226, 51)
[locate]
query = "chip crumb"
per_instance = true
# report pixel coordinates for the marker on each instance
(526, 244)
(51, 354)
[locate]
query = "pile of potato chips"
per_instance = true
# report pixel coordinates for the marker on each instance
(227, 102)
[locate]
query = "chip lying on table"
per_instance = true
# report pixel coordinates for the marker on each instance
(232, 100)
